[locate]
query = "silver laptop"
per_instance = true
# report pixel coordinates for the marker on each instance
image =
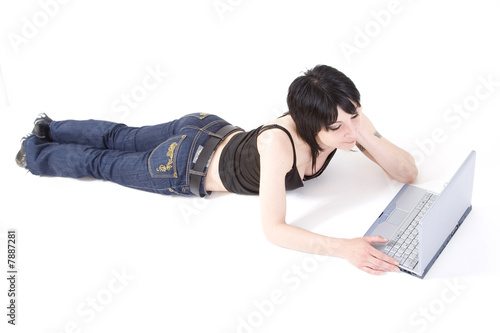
(419, 224)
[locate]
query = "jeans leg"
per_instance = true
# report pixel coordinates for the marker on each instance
(110, 151)
(108, 135)
(77, 161)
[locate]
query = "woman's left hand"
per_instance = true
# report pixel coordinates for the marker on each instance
(396, 162)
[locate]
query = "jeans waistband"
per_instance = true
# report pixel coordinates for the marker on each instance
(199, 170)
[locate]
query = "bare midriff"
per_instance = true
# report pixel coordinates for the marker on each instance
(212, 181)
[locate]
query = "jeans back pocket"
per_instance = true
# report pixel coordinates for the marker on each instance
(163, 160)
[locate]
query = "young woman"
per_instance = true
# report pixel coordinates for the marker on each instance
(200, 153)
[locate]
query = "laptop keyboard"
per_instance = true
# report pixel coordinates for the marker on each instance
(404, 245)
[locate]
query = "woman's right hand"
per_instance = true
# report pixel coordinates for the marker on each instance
(360, 253)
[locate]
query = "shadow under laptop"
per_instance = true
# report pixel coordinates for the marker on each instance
(467, 253)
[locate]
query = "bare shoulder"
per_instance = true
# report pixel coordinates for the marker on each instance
(275, 149)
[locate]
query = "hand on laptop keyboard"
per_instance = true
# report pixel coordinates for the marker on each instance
(360, 253)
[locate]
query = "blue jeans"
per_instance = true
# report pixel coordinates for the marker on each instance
(151, 158)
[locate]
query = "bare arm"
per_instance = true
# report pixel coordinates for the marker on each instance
(396, 162)
(276, 160)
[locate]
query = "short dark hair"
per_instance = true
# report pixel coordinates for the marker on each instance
(313, 99)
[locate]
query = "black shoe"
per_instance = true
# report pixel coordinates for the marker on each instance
(21, 155)
(42, 127)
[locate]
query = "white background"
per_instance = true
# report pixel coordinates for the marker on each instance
(195, 265)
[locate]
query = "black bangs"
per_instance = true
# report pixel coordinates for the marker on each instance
(313, 100)
(345, 104)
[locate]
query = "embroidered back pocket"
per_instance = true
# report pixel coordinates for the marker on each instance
(162, 162)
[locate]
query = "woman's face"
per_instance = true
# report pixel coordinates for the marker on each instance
(342, 134)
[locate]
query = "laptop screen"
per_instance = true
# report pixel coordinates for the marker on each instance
(445, 214)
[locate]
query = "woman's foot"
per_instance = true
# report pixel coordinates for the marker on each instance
(42, 127)
(21, 155)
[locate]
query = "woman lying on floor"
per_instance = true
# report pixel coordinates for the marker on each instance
(201, 153)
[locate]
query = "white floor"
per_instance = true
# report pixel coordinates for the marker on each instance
(97, 257)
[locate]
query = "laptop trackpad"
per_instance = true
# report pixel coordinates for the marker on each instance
(398, 216)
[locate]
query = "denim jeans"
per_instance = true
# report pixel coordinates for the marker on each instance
(151, 158)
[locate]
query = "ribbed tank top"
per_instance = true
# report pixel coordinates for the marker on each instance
(239, 166)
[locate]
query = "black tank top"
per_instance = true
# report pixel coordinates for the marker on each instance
(239, 166)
